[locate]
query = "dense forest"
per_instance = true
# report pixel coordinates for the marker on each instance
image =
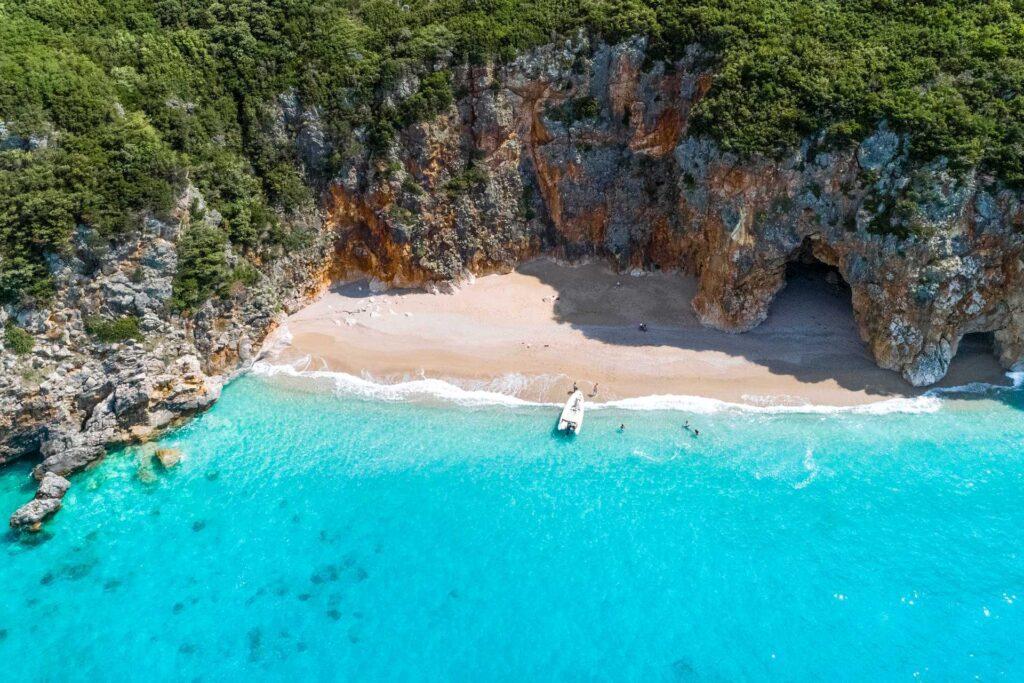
(134, 98)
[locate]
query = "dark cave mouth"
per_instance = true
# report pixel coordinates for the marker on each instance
(806, 268)
(978, 342)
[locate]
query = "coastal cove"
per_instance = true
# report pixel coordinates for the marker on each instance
(533, 332)
(519, 340)
(315, 530)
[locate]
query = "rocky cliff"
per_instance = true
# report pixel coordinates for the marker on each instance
(73, 396)
(576, 149)
(585, 150)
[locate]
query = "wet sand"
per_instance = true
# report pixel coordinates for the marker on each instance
(534, 332)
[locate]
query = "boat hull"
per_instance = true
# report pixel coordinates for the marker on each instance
(571, 419)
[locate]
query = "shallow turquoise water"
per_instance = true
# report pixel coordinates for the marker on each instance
(311, 535)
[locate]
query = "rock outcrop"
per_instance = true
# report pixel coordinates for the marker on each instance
(74, 396)
(49, 498)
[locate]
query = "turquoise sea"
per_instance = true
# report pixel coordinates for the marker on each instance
(325, 536)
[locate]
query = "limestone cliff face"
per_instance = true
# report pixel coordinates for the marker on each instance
(582, 150)
(73, 397)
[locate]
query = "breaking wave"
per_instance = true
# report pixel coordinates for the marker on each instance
(344, 384)
(501, 392)
(701, 405)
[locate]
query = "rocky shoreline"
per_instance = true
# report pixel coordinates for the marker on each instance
(73, 397)
(573, 149)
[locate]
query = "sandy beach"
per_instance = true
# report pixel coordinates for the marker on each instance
(534, 332)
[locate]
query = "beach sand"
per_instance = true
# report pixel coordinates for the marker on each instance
(534, 332)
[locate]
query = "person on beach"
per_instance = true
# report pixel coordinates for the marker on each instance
(574, 389)
(594, 391)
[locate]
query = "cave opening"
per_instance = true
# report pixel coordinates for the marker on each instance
(976, 360)
(806, 268)
(816, 301)
(977, 343)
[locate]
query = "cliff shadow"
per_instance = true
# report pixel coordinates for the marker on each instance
(359, 288)
(810, 333)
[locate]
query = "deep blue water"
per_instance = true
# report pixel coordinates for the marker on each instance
(311, 535)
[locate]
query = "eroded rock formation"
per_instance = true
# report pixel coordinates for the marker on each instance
(48, 499)
(582, 150)
(73, 396)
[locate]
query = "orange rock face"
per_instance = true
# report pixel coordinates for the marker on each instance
(578, 150)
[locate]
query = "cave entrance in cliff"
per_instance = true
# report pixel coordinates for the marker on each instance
(976, 360)
(977, 344)
(805, 269)
(816, 299)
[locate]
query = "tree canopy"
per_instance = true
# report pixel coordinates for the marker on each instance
(135, 96)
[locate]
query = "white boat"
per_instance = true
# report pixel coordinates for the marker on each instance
(572, 414)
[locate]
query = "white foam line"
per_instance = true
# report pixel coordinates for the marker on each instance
(1016, 382)
(349, 385)
(426, 388)
(276, 341)
(707, 406)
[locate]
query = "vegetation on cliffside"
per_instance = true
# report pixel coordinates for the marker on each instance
(110, 106)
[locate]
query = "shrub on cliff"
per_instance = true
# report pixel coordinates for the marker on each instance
(433, 97)
(115, 330)
(17, 340)
(202, 267)
(577, 109)
(470, 179)
(37, 214)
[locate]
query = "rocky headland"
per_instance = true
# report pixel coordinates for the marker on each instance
(574, 149)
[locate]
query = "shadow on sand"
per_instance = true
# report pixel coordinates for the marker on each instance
(810, 334)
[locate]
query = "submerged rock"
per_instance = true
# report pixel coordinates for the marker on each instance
(168, 457)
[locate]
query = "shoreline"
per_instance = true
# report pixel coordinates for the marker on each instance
(438, 392)
(530, 334)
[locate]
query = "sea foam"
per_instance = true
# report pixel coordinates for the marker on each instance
(344, 384)
(499, 392)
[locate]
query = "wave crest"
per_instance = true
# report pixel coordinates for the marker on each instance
(499, 393)
(702, 405)
(344, 384)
